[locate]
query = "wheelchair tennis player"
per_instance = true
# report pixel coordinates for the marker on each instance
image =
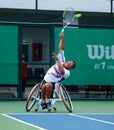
(57, 73)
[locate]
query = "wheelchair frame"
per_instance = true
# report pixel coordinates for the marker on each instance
(59, 94)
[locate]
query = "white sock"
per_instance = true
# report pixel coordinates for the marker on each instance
(43, 101)
(48, 100)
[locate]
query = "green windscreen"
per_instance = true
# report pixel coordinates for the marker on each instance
(8, 54)
(93, 52)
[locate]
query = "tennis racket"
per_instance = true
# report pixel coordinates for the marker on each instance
(68, 17)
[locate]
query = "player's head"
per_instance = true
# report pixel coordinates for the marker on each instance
(70, 64)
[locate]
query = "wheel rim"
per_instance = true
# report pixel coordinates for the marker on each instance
(65, 98)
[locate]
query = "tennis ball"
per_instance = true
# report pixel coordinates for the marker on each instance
(46, 84)
(78, 15)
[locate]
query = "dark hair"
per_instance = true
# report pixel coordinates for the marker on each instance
(74, 64)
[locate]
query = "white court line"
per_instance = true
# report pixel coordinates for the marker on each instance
(23, 122)
(94, 119)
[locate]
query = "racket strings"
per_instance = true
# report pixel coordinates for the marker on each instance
(68, 16)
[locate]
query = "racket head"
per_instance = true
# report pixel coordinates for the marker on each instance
(68, 16)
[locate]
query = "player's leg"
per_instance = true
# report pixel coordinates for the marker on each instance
(42, 102)
(49, 87)
(46, 95)
(49, 92)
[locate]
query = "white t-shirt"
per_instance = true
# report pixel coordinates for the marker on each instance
(53, 74)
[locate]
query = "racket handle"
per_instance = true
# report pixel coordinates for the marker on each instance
(62, 30)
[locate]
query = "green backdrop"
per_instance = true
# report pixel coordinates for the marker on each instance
(8, 54)
(93, 51)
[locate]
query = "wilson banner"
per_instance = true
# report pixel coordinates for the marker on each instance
(93, 52)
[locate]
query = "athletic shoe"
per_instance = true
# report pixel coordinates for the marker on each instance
(50, 106)
(38, 105)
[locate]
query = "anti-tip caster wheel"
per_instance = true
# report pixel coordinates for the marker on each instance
(54, 108)
(36, 110)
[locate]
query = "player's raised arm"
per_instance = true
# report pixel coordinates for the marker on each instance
(61, 43)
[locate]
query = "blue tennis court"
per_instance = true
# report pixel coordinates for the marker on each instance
(49, 121)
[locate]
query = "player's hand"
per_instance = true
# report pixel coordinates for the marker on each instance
(55, 56)
(61, 35)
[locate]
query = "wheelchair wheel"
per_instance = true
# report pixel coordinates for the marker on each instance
(65, 98)
(33, 97)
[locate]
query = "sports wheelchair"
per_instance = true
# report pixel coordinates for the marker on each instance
(59, 94)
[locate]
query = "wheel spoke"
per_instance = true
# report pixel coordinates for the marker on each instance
(33, 97)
